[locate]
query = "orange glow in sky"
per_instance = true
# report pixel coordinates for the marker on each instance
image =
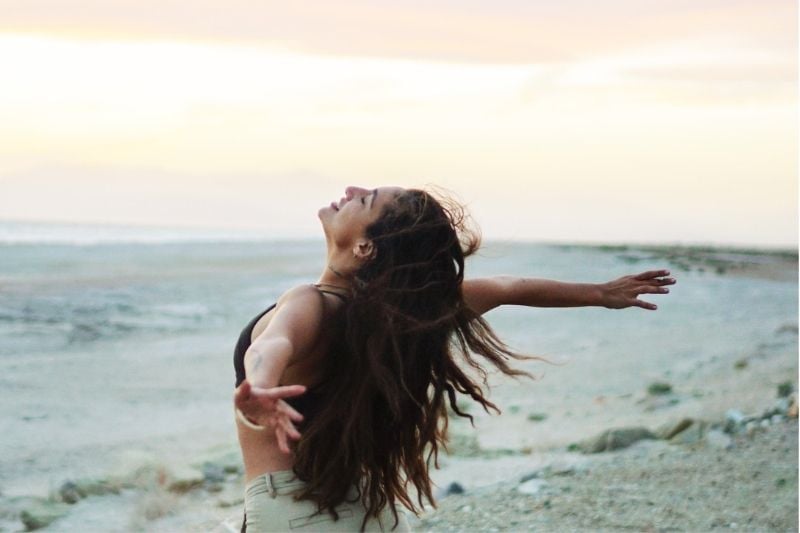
(673, 121)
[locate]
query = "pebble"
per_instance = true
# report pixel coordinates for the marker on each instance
(184, 478)
(532, 486)
(718, 439)
(782, 405)
(777, 419)
(42, 513)
(614, 439)
(453, 488)
(734, 419)
(213, 473)
(69, 493)
(672, 428)
(694, 433)
(734, 415)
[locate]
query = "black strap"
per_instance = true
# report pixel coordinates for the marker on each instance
(320, 289)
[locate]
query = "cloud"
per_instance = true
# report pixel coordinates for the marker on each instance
(478, 31)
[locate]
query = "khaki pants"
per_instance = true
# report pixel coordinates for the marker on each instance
(269, 506)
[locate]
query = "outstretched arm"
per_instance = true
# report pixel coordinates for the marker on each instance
(259, 401)
(484, 294)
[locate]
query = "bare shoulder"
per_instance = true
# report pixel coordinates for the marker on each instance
(298, 317)
(302, 300)
(305, 292)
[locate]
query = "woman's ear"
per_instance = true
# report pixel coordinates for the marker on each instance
(364, 249)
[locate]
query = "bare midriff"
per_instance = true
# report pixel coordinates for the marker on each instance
(260, 451)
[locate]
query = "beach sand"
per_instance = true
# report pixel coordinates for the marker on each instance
(734, 467)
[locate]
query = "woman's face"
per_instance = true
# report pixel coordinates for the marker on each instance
(346, 221)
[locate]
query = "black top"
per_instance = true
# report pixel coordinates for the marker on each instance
(308, 403)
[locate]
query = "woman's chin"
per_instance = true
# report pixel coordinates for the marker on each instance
(326, 212)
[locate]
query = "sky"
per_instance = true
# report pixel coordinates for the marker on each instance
(670, 121)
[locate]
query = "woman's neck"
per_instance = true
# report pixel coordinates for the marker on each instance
(332, 277)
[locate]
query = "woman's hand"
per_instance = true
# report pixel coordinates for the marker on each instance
(266, 408)
(622, 292)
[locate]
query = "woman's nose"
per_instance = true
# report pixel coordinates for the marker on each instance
(352, 191)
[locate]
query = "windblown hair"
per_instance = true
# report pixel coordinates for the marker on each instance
(407, 345)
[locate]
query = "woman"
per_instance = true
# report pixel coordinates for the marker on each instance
(360, 368)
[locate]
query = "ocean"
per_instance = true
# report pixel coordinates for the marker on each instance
(115, 338)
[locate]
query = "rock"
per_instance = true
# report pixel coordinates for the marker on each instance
(624, 437)
(785, 389)
(537, 417)
(532, 486)
(10, 508)
(69, 493)
(228, 457)
(230, 496)
(214, 486)
(213, 473)
(463, 445)
(781, 407)
(740, 363)
(466, 445)
(659, 387)
(42, 513)
(787, 328)
(776, 419)
(792, 411)
(764, 423)
(734, 419)
(751, 428)
(96, 487)
(669, 429)
(694, 433)
(184, 478)
(454, 488)
(451, 489)
(73, 491)
(614, 439)
(718, 439)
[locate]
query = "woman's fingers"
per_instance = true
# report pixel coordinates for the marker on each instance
(665, 281)
(644, 305)
(283, 445)
(276, 393)
(289, 428)
(289, 411)
(651, 274)
(650, 289)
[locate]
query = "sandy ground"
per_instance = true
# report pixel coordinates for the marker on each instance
(651, 486)
(517, 471)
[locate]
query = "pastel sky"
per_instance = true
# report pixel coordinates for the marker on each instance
(572, 121)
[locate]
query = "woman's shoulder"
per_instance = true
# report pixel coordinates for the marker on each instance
(306, 299)
(302, 299)
(303, 316)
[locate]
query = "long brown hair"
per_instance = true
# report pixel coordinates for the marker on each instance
(398, 360)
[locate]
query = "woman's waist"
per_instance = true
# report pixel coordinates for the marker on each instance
(261, 454)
